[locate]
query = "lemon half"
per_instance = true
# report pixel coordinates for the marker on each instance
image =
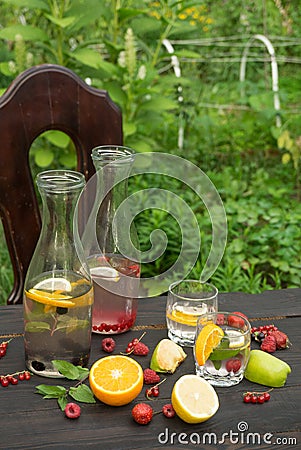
(194, 399)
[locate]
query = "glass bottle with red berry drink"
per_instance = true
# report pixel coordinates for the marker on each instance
(111, 243)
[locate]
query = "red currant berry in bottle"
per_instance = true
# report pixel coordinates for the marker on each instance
(266, 396)
(253, 398)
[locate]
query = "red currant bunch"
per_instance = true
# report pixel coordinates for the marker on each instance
(256, 397)
(154, 390)
(3, 348)
(14, 378)
(259, 333)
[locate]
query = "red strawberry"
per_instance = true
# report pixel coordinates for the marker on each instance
(269, 344)
(236, 322)
(150, 377)
(282, 341)
(141, 349)
(142, 413)
(233, 365)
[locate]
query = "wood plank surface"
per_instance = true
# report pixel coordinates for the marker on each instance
(27, 421)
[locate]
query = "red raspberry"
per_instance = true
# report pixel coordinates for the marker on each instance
(282, 340)
(72, 410)
(141, 349)
(168, 411)
(150, 376)
(233, 365)
(142, 413)
(108, 345)
(236, 322)
(269, 344)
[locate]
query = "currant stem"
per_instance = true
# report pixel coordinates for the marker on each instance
(254, 392)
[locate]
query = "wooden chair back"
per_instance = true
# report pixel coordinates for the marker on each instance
(46, 97)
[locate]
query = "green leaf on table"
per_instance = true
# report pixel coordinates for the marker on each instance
(69, 370)
(82, 393)
(51, 391)
(62, 402)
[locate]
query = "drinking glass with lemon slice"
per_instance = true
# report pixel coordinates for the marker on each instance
(222, 347)
(186, 301)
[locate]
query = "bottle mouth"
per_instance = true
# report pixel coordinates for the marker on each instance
(60, 181)
(116, 154)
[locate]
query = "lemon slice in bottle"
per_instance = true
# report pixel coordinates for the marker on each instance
(41, 292)
(108, 273)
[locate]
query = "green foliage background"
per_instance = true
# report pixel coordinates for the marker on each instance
(117, 45)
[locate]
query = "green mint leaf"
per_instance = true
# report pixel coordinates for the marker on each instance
(82, 393)
(51, 391)
(62, 402)
(69, 370)
(37, 327)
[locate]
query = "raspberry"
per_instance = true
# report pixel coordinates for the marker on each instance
(150, 376)
(108, 345)
(168, 411)
(142, 413)
(141, 349)
(269, 344)
(282, 340)
(72, 410)
(236, 322)
(233, 365)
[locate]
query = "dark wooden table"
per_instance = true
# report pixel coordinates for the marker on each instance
(27, 421)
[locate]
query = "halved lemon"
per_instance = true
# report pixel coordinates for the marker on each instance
(54, 284)
(207, 340)
(116, 380)
(105, 272)
(194, 399)
(187, 315)
(236, 339)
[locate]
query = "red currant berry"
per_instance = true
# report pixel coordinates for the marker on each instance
(130, 345)
(149, 392)
(135, 341)
(247, 398)
(261, 399)
(4, 382)
(27, 375)
(14, 380)
(254, 398)
(2, 352)
(155, 391)
(266, 396)
(21, 376)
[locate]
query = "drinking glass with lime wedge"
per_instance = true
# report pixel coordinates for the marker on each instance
(222, 347)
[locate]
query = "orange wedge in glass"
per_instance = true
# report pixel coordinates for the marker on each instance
(207, 340)
(116, 380)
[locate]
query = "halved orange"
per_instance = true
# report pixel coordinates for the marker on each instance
(116, 380)
(207, 340)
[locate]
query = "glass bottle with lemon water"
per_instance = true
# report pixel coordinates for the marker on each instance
(58, 292)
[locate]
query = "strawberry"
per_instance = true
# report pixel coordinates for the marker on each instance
(269, 344)
(282, 341)
(150, 376)
(141, 349)
(236, 322)
(142, 413)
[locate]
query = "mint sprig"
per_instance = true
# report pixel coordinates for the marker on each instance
(80, 392)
